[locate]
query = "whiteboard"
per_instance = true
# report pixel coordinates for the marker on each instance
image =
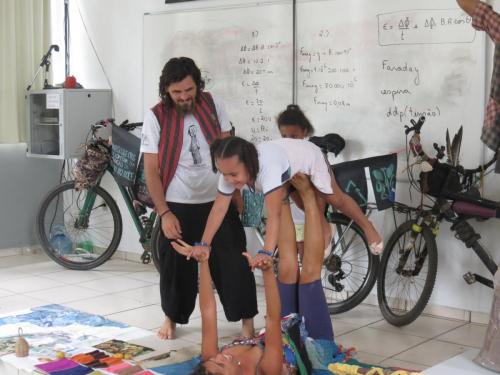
(365, 68)
(245, 53)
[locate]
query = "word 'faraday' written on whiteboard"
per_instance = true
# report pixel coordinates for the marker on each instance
(363, 68)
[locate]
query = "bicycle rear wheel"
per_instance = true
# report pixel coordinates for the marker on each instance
(79, 230)
(349, 271)
(407, 273)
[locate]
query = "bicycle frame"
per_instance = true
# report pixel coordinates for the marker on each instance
(464, 232)
(143, 224)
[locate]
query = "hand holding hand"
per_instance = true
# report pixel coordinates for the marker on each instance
(261, 261)
(199, 253)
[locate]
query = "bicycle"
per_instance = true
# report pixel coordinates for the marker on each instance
(408, 266)
(81, 229)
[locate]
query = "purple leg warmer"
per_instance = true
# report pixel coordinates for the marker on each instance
(288, 296)
(313, 307)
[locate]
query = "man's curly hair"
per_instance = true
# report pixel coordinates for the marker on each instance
(175, 70)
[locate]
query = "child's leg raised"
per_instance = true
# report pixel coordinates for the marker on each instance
(288, 267)
(312, 301)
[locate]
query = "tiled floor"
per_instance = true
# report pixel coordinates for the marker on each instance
(128, 292)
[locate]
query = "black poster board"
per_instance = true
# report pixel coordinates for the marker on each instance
(351, 178)
(125, 155)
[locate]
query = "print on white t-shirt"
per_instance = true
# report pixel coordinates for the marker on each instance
(194, 146)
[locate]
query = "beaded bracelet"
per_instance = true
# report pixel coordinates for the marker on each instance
(265, 252)
(164, 212)
(201, 243)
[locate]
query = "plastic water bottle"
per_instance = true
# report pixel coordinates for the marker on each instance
(60, 241)
(85, 247)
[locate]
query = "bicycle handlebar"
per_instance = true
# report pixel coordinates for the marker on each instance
(111, 121)
(417, 149)
(484, 166)
(416, 125)
(101, 124)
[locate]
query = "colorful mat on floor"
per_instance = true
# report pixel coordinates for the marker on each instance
(54, 328)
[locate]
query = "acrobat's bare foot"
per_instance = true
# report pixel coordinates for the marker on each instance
(167, 330)
(247, 328)
(302, 183)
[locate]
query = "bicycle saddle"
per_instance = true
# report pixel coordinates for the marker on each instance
(331, 142)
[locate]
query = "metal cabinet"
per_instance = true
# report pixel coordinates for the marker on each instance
(59, 120)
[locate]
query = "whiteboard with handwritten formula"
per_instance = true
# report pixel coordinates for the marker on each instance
(365, 68)
(245, 54)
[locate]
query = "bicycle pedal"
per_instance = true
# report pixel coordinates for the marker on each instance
(140, 209)
(146, 257)
(469, 278)
(145, 220)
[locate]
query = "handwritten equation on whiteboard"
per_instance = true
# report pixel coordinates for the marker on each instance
(259, 60)
(425, 26)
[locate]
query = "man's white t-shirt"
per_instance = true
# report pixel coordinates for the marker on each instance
(193, 181)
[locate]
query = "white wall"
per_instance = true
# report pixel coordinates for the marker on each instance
(115, 28)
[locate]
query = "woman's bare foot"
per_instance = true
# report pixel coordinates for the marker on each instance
(247, 328)
(167, 330)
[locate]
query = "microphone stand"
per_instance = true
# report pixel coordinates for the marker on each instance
(45, 62)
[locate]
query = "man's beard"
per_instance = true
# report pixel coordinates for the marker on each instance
(185, 107)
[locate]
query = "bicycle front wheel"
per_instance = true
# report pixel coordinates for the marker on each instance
(407, 273)
(79, 230)
(349, 271)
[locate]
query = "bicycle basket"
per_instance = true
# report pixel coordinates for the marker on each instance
(442, 179)
(91, 166)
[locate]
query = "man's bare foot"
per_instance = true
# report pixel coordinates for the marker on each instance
(247, 328)
(167, 330)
